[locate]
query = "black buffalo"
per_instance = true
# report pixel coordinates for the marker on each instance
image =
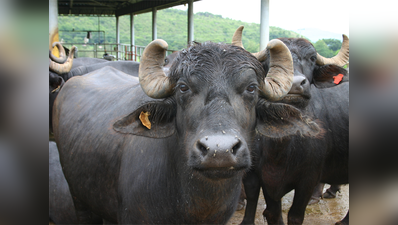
(128, 67)
(320, 90)
(170, 149)
(331, 192)
(60, 200)
(61, 208)
(57, 66)
(64, 68)
(84, 61)
(170, 59)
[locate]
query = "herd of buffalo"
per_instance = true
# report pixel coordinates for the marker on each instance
(171, 140)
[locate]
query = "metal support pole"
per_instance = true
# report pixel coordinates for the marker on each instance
(99, 30)
(264, 24)
(132, 40)
(117, 38)
(53, 25)
(190, 21)
(154, 28)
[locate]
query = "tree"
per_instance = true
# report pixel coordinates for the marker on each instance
(172, 27)
(323, 49)
(333, 44)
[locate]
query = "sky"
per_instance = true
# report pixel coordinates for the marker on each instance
(326, 15)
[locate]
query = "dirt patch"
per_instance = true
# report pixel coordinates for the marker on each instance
(327, 211)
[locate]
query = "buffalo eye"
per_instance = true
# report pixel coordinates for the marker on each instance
(183, 88)
(251, 88)
(313, 58)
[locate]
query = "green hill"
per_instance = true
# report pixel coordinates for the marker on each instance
(171, 27)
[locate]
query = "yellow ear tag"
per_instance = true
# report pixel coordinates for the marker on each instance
(144, 119)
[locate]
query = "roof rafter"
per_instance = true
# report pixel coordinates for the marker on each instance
(113, 7)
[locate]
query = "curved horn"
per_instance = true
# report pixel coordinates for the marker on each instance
(65, 67)
(237, 38)
(152, 78)
(279, 79)
(237, 41)
(62, 56)
(340, 59)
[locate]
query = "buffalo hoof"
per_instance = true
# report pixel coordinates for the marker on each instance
(329, 194)
(241, 205)
(314, 200)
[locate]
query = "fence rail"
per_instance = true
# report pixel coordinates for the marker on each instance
(109, 51)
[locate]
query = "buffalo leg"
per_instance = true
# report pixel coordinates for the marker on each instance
(332, 191)
(273, 211)
(301, 198)
(242, 197)
(252, 190)
(317, 194)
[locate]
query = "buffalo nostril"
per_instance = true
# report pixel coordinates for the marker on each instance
(236, 147)
(299, 83)
(202, 148)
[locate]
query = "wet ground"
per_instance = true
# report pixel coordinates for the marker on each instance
(327, 211)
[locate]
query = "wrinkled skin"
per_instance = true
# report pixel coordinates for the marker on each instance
(188, 167)
(300, 162)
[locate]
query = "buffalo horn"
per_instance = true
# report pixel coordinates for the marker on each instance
(152, 78)
(237, 38)
(340, 59)
(65, 67)
(62, 56)
(279, 79)
(280, 76)
(237, 41)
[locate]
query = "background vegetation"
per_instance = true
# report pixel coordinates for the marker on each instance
(172, 27)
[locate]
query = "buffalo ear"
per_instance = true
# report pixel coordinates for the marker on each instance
(329, 76)
(161, 118)
(278, 120)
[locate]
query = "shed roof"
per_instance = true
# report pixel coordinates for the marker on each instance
(113, 7)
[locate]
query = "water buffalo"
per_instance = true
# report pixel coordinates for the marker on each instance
(331, 192)
(84, 61)
(57, 66)
(170, 58)
(128, 67)
(81, 66)
(171, 149)
(61, 208)
(320, 90)
(63, 68)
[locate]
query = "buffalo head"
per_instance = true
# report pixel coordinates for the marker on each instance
(208, 101)
(310, 68)
(57, 66)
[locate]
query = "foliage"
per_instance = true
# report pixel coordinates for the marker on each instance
(171, 27)
(328, 47)
(333, 44)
